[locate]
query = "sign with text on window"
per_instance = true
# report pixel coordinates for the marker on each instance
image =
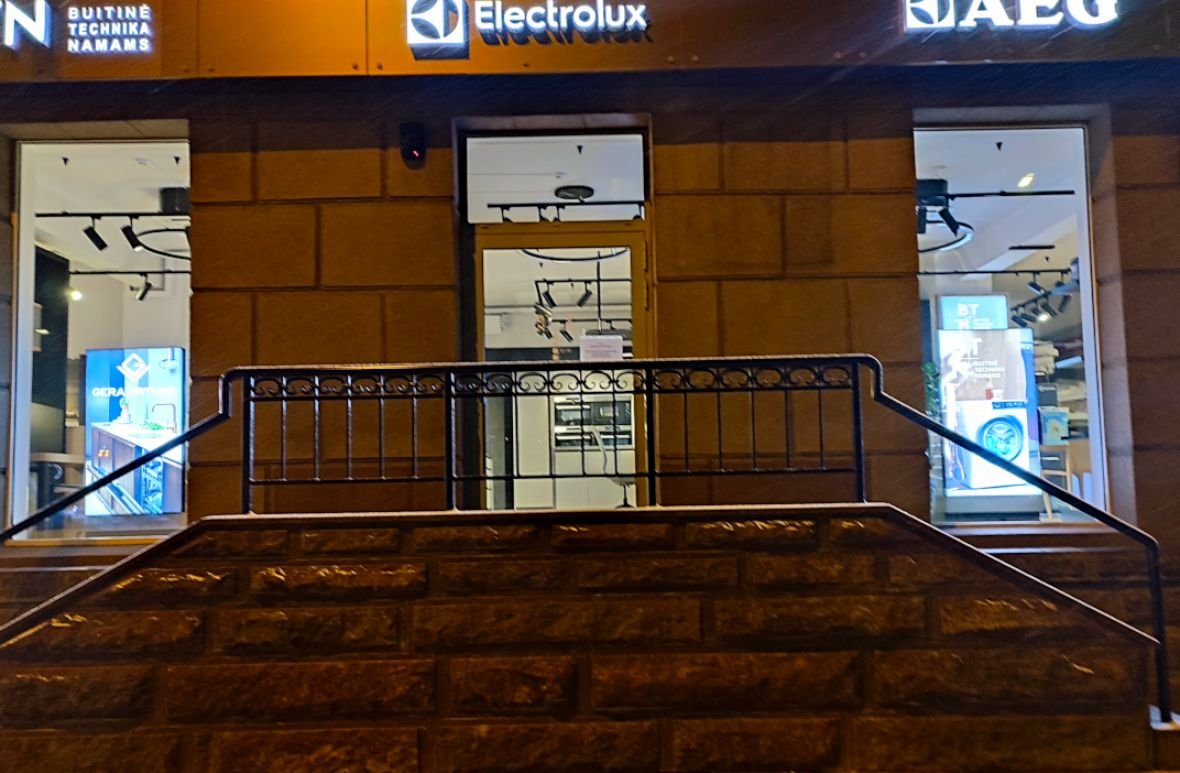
(82, 29)
(973, 312)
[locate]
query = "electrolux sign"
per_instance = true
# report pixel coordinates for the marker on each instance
(442, 28)
(968, 15)
(89, 29)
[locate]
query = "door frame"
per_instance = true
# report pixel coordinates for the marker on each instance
(633, 235)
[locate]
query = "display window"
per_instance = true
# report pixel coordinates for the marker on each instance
(1007, 291)
(102, 330)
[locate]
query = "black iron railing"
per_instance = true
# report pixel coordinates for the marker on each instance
(473, 436)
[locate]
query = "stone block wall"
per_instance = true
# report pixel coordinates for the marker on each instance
(782, 232)
(772, 233)
(852, 638)
(317, 245)
(1141, 345)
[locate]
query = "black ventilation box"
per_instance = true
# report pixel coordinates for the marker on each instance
(174, 201)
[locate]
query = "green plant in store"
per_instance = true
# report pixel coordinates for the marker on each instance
(932, 380)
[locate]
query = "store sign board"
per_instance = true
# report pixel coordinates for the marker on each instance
(89, 29)
(110, 29)
(443, 28)
(968, 15)
(30, 24)
(973, 312)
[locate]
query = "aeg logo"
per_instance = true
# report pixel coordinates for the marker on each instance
(937, 15)
(35, 25)
(435, 24)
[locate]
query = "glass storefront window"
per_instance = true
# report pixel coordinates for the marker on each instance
(102, 313)
(555, 178)
(1008, 297)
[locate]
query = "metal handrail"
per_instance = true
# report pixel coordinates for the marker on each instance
(1149, 543)
(879, 396)
(224, 413)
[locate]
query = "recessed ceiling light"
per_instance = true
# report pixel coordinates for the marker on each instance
(1027, 181)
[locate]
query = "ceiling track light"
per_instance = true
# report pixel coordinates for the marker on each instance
(586, 296)
(547, 297)
(1066, 300)
(565, 332)
(131, 237)
(1047, 308)
(1019, 320)
(950, 220)
(94, 236)
(923, 220)
(1036, 286)
(142, 293)
(542, 311)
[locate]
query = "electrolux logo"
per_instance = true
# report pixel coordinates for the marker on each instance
(30, 23)
(436, 23)
(941, 15)
(440, 28)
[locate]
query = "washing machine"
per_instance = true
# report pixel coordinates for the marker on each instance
(1002, 428)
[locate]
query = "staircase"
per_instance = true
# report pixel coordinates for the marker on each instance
(850, 637)
(31, 576)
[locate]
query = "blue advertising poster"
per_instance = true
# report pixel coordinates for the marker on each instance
(989, 395)
(135, 403)
(973, 312)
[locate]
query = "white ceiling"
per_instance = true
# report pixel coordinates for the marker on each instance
(509, 277)
(505, 170)
(105, 177)
(973, 161)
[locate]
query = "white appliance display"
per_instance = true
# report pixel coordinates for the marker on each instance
(1002, 428)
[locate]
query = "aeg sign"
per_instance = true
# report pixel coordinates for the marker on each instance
(940, 15)
(440, 28)
(32, 23)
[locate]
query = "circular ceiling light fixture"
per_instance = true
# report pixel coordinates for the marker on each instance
(965, 236)
(183, 252)
(574, 192)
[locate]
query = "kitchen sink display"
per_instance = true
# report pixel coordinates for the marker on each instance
(135, 404)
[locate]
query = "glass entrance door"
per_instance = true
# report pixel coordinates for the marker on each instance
(564, 439)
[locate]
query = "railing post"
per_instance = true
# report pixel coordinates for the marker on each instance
(1162, 674)
(247, 445)
(649, 409)
(858, 436)
(450, 437)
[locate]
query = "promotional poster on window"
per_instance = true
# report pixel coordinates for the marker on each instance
(989, 395)
(134, 405)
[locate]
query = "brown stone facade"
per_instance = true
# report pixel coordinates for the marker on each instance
(769, 233)
(780, 223)
(742, 639)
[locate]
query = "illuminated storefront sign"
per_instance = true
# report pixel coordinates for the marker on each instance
(89, 29)
(442, 27)
(110, 29)
(939, 15)
(32, 24)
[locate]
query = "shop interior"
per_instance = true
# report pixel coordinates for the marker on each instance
(102, 312)
(566, 303)
(1007, 294)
